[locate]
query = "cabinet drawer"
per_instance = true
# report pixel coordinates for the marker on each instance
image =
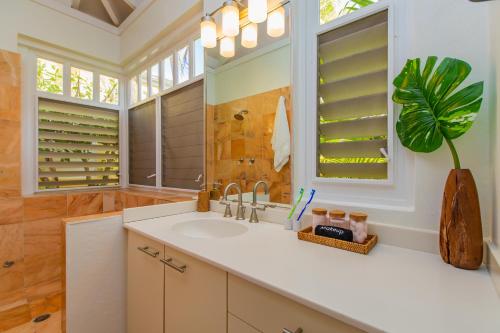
(195, 295)
(235, 325)
(270, 313)
(144, 285)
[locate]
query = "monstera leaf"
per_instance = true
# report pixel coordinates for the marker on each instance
(432, 110)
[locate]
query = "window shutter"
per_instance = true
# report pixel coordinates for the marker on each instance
(352, 100)
(142, 144)
(77, 145)
(182, 137)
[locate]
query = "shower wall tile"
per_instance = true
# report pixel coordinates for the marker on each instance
(81, 204)
(230, 139)
(44, 207)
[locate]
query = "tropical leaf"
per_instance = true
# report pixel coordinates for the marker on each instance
(432, 110)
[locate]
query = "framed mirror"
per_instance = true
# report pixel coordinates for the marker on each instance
(249, 113)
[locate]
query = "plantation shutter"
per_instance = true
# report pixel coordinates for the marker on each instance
(352, 94)
(182, 137)
(77, 146)
(142, 144)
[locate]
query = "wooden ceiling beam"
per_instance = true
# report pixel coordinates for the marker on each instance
(131, 3)
(111, 12)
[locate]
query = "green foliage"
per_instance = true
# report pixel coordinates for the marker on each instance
(81, 87)
(330, 9)
(49, 77)
(432, 110)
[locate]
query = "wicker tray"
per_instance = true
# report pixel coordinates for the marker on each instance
(307, 235)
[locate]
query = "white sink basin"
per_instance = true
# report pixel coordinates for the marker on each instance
(209, 228)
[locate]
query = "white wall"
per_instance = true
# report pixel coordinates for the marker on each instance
(251, 75)
(455, 28)
(495, 121)
(34, 20)
(160, 17)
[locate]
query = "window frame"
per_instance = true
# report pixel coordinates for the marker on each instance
(159, 58)
(31, 186)
(312, 130)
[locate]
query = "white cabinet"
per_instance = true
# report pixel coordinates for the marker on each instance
(195, 295)
(144, 285)
(269, 312)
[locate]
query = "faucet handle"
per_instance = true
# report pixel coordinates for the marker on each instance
(227, 212)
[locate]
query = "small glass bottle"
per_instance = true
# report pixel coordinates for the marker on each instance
(319, 218)
(337, 219)
(359, 226)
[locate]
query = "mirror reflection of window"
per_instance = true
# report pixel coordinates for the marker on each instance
(183, 65)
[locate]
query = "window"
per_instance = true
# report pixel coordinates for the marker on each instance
(182, 136)
(82, 84)
(49, 76)
(331, 9)
(183, 65)
(77, 146)
(143, 81)
(142, 144)
(199, 53)
(155, 79)
(108, 87)
(353, 100)
(134, 90)
(168, 73)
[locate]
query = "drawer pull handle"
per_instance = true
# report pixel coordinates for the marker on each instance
(286, 330)
(170, 262)
(150, 252)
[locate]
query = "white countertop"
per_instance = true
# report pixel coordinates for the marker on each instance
(390, 290)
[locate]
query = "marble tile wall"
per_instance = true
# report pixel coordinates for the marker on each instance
(229, 140)
(31, 229)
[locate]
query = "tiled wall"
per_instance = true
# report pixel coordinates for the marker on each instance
(31, 229)
(229, 139)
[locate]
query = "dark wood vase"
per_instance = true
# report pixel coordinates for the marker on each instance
(461, 234)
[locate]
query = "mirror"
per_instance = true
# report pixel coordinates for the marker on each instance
(243, 95)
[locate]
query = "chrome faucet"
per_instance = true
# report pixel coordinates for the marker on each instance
(240, 212)
(253, 216)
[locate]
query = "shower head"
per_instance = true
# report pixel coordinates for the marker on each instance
(240, 115)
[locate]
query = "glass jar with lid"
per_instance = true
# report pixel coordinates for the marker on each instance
(337, 219)
(359, 226)
(319, 218)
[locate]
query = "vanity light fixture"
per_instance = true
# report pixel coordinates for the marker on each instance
(249, 35)
(230, 19)
(258, 12)
(227, 48)
(276, 22)
(208, 32)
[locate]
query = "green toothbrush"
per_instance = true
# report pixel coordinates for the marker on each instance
(299, 198)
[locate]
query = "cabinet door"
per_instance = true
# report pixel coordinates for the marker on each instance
(269, 312)
(145, 279)
(235, 325)
(195, 295)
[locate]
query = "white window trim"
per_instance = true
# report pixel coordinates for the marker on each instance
(312, 125)
(30, 112)
(397, 195)
(189, 41)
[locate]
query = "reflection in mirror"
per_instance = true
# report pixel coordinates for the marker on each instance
(243, 95)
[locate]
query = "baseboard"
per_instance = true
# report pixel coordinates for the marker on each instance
(493, 264)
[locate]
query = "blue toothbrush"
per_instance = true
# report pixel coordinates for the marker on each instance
(311, 196)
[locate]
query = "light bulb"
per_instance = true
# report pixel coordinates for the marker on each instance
(276, 23)
(227, 47)
(257, 10)
(208, 32)
(249, 36)
(230, 19)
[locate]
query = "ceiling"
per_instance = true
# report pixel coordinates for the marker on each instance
(113, 12)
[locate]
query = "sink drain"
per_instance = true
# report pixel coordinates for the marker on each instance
(41, 318)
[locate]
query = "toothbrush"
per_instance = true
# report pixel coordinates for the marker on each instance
(311, 196)
(299, 198)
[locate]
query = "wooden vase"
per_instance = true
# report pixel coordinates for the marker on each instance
(461, 234)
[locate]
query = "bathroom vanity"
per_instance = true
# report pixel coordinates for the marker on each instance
(195, 272)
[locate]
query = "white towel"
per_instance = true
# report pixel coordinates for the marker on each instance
(281, 136)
